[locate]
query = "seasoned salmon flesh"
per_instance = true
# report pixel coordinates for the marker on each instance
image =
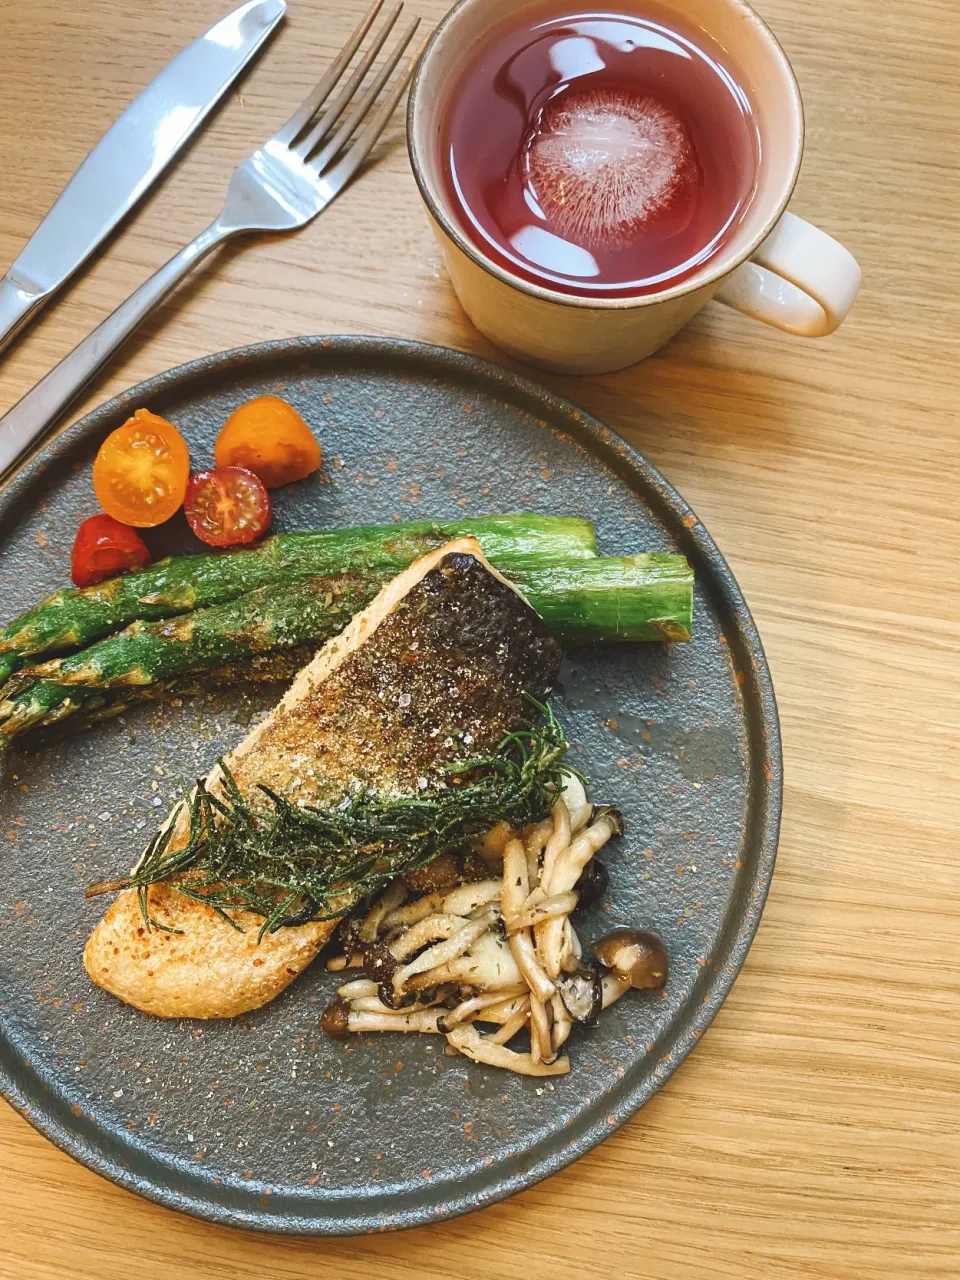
(436, 667)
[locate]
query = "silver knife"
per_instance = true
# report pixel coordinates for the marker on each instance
(130, 157)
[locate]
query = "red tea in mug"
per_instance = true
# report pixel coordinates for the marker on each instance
(599, 152)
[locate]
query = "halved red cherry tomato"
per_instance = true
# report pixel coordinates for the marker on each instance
(227, 507)
(269, 438)
(140, 474)
(103, 548)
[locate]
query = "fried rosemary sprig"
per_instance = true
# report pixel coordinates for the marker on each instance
(292, 865)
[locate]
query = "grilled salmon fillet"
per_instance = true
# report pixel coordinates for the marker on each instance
(436, 665)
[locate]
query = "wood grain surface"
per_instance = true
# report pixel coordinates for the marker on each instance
(816, 1131)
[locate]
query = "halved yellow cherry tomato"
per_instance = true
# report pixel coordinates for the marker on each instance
(268, 437)
(140, 474)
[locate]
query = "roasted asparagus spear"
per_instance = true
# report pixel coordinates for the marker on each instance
(644, 597)
(71, 619)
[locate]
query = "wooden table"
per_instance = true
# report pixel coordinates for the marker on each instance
(815, 1131)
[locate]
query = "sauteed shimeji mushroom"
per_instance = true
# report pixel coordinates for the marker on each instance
(497, 946)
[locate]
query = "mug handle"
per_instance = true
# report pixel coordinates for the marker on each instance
(800, 280)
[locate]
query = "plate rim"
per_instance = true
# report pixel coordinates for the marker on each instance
(319, 1212)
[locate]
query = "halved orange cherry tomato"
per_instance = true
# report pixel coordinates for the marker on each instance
(103, 548)
(140, 474)
(269, 438)
(227, 507)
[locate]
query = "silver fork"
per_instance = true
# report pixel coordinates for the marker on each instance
(283, 186)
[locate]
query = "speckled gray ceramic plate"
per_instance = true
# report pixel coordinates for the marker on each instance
(261, 1122)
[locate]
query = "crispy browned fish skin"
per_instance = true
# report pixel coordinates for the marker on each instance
(446, 649)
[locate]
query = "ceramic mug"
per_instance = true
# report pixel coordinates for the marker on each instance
(775, 267)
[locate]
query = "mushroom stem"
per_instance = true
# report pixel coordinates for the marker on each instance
(524, 953)
(487, 966)
(506, 1009)
(550, 946)
(575, 798)
(424, 1020)
(467, 1010)
(560, 904)
(357, 989)
(535, 839)
(491, 845)
(515, 885)
(541, 1044)
(387, 902)
(473, 1045)
(570, 861)
(571, 952)
(534, 898)
(562, 1022)
(458, 902)
(564, 874)
(557, 842)
(613, 988)
(424, 931)
(441, 954)
(548, 939)
(373, 1004)
(515, 1023)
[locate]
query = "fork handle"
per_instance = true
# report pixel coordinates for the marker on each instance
(31, 418)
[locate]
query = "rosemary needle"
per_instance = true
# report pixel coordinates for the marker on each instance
(291, 865)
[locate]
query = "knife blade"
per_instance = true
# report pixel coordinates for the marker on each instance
(130, 157)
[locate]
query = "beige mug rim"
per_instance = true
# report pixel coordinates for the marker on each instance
(717, 273)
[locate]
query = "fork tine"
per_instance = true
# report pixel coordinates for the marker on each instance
(338, 177)
(343, 99)
(343, 134)
(308, 109)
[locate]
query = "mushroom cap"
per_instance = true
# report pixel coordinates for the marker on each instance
(593, 883)
(378, 964)
(613, 816)
(635, 955)
(335, 1020)
(574, 796)
(582, 994)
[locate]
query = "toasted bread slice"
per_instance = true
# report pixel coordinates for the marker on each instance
(441, 658)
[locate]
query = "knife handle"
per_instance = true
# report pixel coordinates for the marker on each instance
(17, 305)
(30, 419)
